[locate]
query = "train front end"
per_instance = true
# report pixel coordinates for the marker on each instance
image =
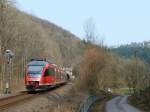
(33, 75)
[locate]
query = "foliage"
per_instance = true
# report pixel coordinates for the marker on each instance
(128, 51)
(136, 74)
(98, 70)
(101, 69)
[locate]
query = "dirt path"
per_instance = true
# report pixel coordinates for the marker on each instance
(120, 104)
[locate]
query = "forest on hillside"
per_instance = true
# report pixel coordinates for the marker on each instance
(140, 50)
(30, 37)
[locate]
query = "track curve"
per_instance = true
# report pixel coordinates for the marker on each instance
(5, 102)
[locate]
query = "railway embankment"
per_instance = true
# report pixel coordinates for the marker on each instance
(39, 102)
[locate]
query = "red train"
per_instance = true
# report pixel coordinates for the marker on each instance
(41, 74)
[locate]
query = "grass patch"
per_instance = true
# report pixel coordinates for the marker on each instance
(125, 91)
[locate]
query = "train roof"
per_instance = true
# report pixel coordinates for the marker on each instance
(39, 62)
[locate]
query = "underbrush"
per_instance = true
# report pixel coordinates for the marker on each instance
(141, 99)
(99, 105)
(69, 103)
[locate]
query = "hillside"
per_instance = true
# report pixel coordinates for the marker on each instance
(142, 50)
(67, 42)
(31, 37)
(28, 37)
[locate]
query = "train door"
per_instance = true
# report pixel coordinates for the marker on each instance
(56, 75)
(58, 79)
(49, 75)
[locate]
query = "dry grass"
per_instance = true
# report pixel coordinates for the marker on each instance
(98, 106)
(18, 86)
(69, 103)
(136, 102)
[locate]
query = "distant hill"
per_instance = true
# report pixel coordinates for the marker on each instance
(127, 51)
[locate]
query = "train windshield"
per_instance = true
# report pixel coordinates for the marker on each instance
(35, 70)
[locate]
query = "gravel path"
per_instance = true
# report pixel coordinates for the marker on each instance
(119, 104)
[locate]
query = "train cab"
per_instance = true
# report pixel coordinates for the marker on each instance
(39, 75)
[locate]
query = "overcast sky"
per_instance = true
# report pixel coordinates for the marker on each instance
(118, 21)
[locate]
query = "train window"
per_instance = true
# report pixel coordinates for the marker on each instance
(34, 69)
(52, 71)
(46, 72)
(49, 71)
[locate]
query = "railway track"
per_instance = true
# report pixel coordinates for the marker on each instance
(8, 101)
(11, 100)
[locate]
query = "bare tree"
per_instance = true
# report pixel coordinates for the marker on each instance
(3, 6)
(90, 30)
